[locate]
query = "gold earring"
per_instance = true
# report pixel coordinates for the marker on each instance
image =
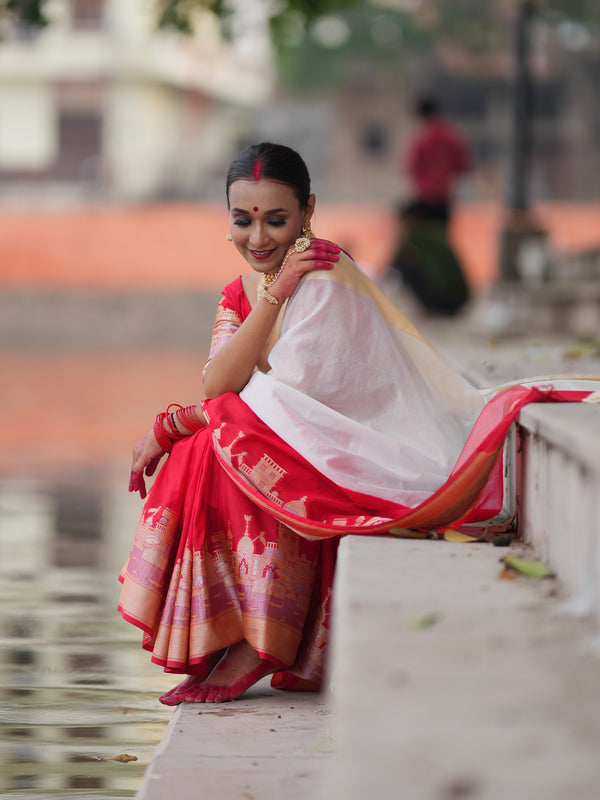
(229, 237)
(302, 243)
(307, 229)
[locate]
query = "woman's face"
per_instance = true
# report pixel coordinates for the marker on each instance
(265, 218)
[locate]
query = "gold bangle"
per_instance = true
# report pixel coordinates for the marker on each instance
(262, 292)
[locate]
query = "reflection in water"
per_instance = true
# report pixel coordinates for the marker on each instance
(75, 688)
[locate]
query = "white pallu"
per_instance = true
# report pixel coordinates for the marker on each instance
(357, 391)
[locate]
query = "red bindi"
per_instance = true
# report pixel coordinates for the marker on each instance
(256, 208)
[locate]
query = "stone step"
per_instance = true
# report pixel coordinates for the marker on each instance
(558, 490)
(450, 682)
(269, 744)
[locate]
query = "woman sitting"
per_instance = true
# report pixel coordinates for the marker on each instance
(327, 414)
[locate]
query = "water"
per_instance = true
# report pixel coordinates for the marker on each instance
(75, 685)
(76, 689)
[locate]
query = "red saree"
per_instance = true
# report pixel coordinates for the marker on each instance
(238, 535)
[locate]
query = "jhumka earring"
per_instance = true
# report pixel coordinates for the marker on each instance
(229, 237)
(302, 243)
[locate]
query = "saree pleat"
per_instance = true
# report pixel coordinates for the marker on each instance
(252, 578)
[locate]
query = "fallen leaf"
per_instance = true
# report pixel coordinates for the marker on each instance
(324, 745)
(424, 621)
(583, 349)
(122, 758)
(407, 533)
(501, 527)
(507, 575)
(452, 535)
(576, 351)
(525, 566)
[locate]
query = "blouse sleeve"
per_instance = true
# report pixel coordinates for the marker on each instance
(231, 312)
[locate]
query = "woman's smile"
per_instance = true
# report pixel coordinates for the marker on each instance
(262, 254)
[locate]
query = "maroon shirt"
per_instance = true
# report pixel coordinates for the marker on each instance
(437, 154)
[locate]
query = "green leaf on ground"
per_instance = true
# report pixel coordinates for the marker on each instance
(525, 566)
(324, 745)
(424, 621)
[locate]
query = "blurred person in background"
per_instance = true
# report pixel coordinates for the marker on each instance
(437, 155)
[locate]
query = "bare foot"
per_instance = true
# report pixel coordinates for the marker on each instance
(241, 668)
(188, 687)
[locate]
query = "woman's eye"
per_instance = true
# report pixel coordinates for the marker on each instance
(277, 221)
(241, 221)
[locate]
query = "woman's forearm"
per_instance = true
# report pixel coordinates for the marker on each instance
(232, 365)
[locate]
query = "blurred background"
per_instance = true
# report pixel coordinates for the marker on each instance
(118, 119)
(98, 105)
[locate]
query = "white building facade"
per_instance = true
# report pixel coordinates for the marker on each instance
(101, 104)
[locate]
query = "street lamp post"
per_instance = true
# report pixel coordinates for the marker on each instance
(523, 243)
(522, 101)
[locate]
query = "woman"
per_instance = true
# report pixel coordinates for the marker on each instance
(327, 414)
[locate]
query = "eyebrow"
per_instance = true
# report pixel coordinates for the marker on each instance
(270, 211)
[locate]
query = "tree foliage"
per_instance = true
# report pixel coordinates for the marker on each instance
(470, 23)
(179, 14)
(25, 12)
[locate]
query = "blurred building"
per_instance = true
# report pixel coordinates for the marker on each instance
(101, 105)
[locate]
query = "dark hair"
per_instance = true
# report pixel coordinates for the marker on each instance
(276, 162)
(427, 106)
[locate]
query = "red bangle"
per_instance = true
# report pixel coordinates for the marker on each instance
(169, 418)
(162, 437)
(188, 417)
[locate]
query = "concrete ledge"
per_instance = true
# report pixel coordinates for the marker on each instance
(494, 699)
(573, 428)
(558, 489)
(269, 744)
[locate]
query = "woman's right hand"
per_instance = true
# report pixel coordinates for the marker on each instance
(146, 455)
(322, 254)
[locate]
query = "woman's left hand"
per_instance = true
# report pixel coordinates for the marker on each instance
(322, 254)
(146, 455)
